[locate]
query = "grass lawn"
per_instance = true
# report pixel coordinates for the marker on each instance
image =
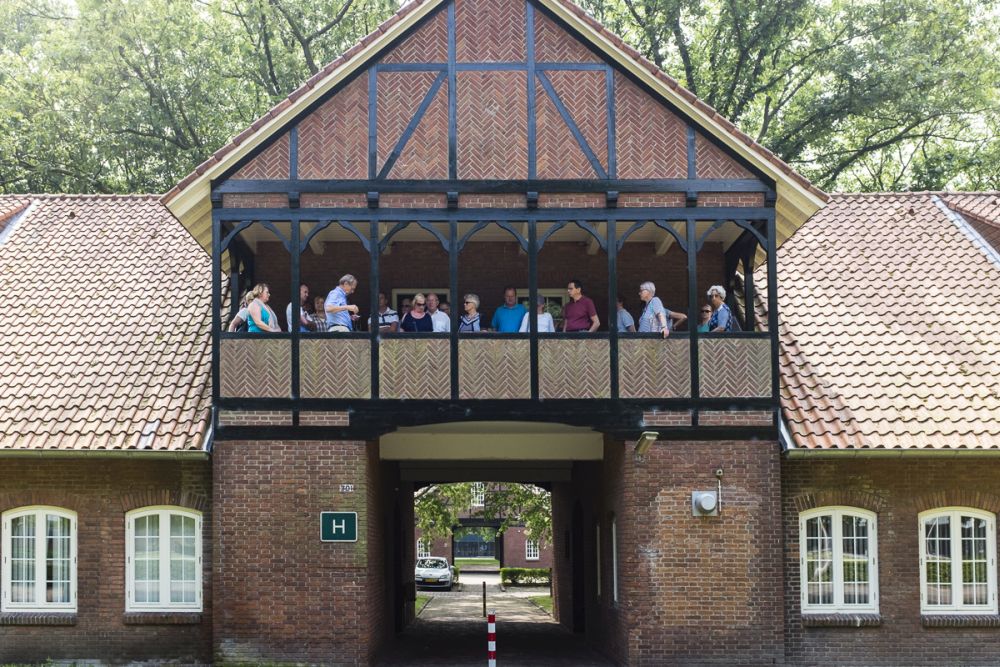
(480, 562)
(421, 602)
(543, 601)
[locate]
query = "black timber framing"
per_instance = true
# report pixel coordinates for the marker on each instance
(372, 66)
(368, 416)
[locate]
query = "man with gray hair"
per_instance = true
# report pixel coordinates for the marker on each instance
(340, 315)
(722, 317)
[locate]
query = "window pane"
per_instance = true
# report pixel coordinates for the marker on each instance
(146, 566)
(855, 547)
(937, 544)
(819, 559)
(22, 559)
(182, 558)
(974, 584)
(57, 558)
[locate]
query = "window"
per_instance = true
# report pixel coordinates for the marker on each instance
(39, 559)
(478, 494)
(163, 559)
(614, 559)
(531, 551)
(838, 562)
(423, 548)
(958, 561)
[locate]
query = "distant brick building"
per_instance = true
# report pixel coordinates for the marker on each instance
(816, 485)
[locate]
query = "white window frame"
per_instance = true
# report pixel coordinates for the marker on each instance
(423, 548)
(837, 512)
(614, 559)
(39, 604)
(164, 604)
(958, 606)
(478, 494)
(528, 543)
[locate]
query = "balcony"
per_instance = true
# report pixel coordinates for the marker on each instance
(608, 379)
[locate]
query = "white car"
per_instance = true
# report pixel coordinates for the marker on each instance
(433, 573)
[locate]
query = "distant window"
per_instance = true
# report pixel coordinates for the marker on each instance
(163, 559)
(478, 494)
(838, 560)
(531, 550)
(423, 548)
(958, 561)
(39, 564)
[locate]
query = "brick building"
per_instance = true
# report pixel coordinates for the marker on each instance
(818, 487)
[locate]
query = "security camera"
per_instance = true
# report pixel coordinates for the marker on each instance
(718, 473)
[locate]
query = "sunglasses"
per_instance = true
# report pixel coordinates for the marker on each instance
(706, 310)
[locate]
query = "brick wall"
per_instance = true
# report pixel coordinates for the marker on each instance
(281, 594)
(513, 549)
(692, 590)
(897, 490)
(101, 491)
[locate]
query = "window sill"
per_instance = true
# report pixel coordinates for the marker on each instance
(842, 620)
(960, 620)
(37, 618)
(162, 618)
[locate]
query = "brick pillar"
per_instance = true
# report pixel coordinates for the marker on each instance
(280, 593)
(705, 590)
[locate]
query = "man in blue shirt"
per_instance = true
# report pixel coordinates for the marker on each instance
(340, 314)
(507, 318)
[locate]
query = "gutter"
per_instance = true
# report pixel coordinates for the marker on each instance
(179, 455)
(875, 453)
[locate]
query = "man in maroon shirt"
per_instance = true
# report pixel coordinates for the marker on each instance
(579, 314)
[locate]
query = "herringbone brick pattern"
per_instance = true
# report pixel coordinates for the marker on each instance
(553, 44)
(272, 163)
(489, 31)
(585, 96)
(429, 44)
(711, 162)
(494, 368)
(651, 141)
(734, 367)
(255, 368)
(573, 369)
(426, 154)
(492, 125)
(333, 139)
(416, 368)
(650, 368)
(332, 368)
(558, 154)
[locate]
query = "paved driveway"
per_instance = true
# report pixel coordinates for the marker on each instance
(451, 631)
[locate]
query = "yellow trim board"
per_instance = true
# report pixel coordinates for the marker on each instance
(492, 441)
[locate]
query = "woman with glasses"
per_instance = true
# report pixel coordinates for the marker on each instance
(469, 321)
(703, 318)
(417, 319)
(655, 318)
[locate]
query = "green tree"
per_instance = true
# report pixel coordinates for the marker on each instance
(437, 509)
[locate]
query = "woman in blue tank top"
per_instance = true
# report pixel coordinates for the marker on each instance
(262, 318)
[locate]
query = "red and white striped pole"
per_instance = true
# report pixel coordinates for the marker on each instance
(491, 638)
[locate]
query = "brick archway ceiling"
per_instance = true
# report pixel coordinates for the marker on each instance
(797, 199)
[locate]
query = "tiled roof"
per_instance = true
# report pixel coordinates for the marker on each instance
(106, 303)
(982, 210)
(889, 339)
(10, 206)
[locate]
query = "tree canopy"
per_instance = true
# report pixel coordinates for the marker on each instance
(437, 508)
(130, 95)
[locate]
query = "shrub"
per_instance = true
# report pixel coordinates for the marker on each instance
(525, 576)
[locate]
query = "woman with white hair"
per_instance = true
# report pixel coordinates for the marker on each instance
(722, 317)
(469, 322)
(655, 318)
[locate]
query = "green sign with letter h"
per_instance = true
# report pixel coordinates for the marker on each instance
(338, 526)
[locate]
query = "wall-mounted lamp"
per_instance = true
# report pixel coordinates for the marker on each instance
(645, 441)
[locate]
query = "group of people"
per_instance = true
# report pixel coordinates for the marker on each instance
(427, 313)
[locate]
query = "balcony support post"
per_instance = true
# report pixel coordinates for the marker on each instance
(612, 247)
(294, 316)
(453, 288)
(216, 307)
(691, 242)
(772, 310)
(532, 303)
(374, 252)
